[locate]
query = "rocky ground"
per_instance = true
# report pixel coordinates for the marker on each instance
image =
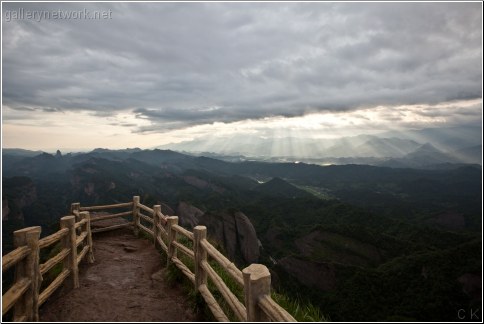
(125, 284)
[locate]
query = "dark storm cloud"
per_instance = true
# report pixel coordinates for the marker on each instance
(181, 64)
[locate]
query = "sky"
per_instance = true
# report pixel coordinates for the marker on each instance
(148, 74)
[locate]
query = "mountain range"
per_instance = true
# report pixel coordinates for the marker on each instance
(395, 149)
(349, 236)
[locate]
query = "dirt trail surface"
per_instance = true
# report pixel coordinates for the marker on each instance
(126, 283)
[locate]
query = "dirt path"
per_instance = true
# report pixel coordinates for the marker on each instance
(126, 283)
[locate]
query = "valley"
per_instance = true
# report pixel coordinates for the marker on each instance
(349, 236)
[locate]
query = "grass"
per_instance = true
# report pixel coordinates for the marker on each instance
(175, 275)
(302, 311)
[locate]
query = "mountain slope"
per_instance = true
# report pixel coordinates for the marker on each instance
(424, 156)
(278, 187)
(370, 236)
(386, 147)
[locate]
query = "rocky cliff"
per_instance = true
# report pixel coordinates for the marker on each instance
(231, 229)
(235, 232)
(188, 215)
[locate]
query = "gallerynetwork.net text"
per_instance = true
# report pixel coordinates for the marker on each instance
(39, 15)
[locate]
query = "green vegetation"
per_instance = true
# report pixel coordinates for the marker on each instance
(318, 192)
(302, 310)
(397, 244)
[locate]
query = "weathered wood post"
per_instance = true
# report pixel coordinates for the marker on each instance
(75, 210)
(257, 283)
(156, 221)
(28, 268)
(172, 220)
(199, 233)
(87, 228)
(69, 242)
(136, 221)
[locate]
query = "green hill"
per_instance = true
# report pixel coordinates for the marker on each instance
(278, 187)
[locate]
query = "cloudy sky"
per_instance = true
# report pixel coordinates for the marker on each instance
(147, 74)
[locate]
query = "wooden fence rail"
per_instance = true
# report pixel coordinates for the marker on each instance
(24, 295)
(91, 208)
(76, 210)
(255, 279)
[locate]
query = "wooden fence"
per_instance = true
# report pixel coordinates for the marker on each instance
(165, 232)
(25, 295)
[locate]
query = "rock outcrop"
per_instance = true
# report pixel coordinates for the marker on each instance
(231, 229)
(235, 232)
(165, 209)
(188, 215)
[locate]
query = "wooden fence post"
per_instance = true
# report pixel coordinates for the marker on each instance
(87, 227)
(257, 282)
(199, 233)
(75, 210)
(75, 207)
(136, 221)
(156, 221)
(69, 242)
(28, 268)
(172, 220)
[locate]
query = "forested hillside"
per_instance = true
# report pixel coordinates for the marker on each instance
(362, 242)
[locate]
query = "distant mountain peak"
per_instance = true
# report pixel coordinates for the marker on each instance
(424, 156)
(428, 148)
(44, 155)
(104, 150)
(100, 149)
